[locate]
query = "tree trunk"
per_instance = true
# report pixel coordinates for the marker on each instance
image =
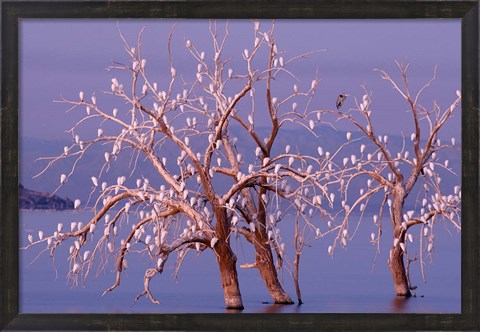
(264, 262)
(228, 274)
(397, 266)
(226, 261)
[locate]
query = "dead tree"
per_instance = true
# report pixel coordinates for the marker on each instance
(415, 169)
(209, 193)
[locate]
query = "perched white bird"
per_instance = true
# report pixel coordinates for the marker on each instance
(395, 242)
(95, 181)
(63, 178)
(213, 242)
(250, 119)
(410, 237)
(76, 204)
(320, 151)
(430, 247)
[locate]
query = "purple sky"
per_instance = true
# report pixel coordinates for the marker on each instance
(61, 57)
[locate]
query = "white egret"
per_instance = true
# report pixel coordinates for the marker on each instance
(76, 204)
(250, 119)
(277, 168)
(362, 148)
(353, 159)
(410, 237)
(395, 242)
(95, 181)
(430, 247)
(332, 197)
(213, 242)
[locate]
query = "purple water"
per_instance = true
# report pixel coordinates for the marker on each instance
(350, 283)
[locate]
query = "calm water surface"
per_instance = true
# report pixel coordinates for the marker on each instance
(350, 283)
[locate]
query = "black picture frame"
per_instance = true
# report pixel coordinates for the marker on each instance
(13, 11)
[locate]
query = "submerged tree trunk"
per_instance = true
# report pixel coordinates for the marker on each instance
(264, 257)
(266, 267)
(397, 267)
(396, 263)
(227, 262)
(228, 275)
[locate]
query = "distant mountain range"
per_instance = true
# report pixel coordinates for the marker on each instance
(34, 200)
(80, 186)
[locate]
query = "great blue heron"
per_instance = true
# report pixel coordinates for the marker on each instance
(340, 99)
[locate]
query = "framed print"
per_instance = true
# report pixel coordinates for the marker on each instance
(239, 166)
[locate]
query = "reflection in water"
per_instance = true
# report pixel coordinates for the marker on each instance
(271, 308)
(278, 308)
(399, 304)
